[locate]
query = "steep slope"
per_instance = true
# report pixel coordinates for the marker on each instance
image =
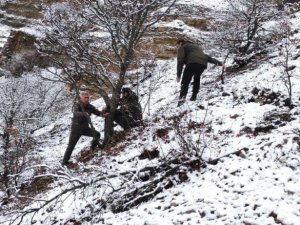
(260, 185)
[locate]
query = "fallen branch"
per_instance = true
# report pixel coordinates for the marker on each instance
(153, 187)
(216, 160)
(35, 210)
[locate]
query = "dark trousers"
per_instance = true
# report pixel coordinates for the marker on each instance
(76, 133)
(124, 121)
(191, 70)
(121, 120)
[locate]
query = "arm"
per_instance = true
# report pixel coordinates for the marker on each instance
(180, 61)
(213, 61)
(95, 111)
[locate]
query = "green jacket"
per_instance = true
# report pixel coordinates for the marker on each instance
(192, 53)
(131, 108)
(80, 118)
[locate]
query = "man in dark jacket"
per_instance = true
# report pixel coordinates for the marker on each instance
(195, 60)
(129, 113)
(81, 125)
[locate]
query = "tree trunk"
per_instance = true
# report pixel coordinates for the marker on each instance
(109, 121)
(6, 161)
(108, 128)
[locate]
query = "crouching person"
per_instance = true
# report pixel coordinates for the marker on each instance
(81, 125)
(129, 113)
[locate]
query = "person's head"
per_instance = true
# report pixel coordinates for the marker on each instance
(84, 98)
(125, 92)
(180, 42)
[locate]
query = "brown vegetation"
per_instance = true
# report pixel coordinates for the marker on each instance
(37, 186)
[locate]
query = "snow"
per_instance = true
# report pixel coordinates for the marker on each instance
(213, 4)
(262, 187)
(4, 33)
(235, 191)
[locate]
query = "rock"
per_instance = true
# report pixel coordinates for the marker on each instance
(201, 107)
(149, 154)
(20, 54)
(28, 9)
(296, 140)
(264, 129)
(190, 211)
(162, 46)
(275, 216)
(162, 133)
(290, 68)
(287, 103)
(13, 21)
(74, 222)
(201, 24)
(183, 177)
(224, 94)
(234, 116)
(18, 41)
(266, 96)
(243, 154)
(278, 116)
(270, 97)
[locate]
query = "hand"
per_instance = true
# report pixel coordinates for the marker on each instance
(104, 110)
(178, 79)
(105, 115)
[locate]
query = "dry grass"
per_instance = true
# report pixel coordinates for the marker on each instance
(37, 186)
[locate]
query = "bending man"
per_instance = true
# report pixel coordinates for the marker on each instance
(195, 60)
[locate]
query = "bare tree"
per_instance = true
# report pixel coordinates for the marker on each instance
(287, 53)
(27, 101)
(98, 42)
(241, 30)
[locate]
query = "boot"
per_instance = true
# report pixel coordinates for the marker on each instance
(180, 102)
(94, 144)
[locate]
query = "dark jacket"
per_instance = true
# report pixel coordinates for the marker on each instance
(192, 53)
(80, 118)
(131, 108)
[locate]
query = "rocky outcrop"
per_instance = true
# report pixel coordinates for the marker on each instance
(27, 9)
(20, 54)
(163, 43)
(30, 9)
(18, 14)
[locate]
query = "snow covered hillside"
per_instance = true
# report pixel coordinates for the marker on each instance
(242, 135)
